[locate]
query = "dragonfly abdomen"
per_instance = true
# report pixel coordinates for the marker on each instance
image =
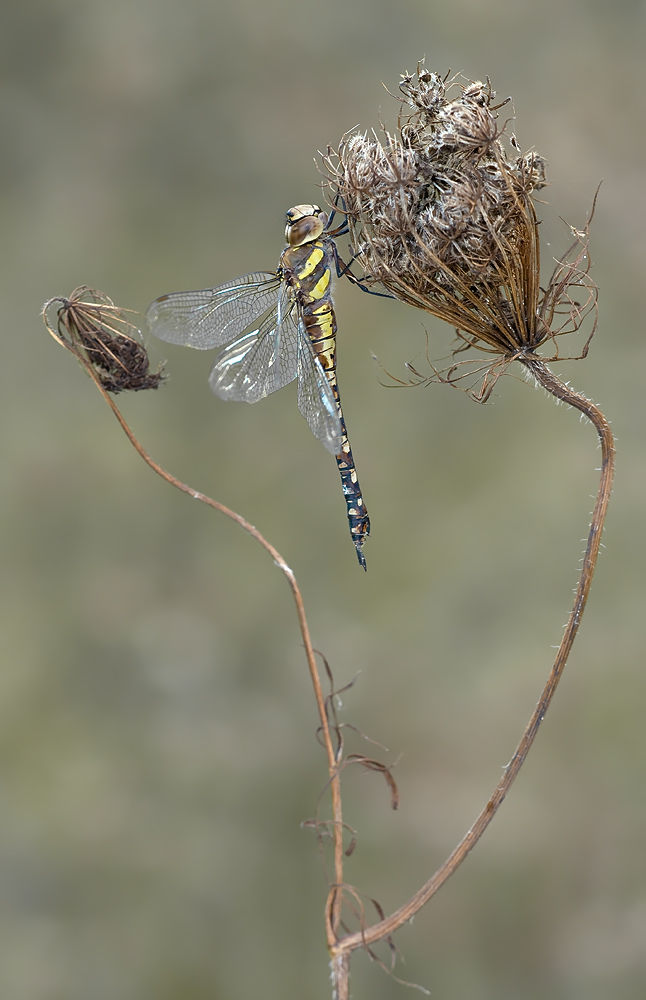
(312, 289)
(356, 509)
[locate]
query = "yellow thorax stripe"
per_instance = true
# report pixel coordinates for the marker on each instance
(321, 285)
(313, 260)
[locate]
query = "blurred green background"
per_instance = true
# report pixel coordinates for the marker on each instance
(157, 729)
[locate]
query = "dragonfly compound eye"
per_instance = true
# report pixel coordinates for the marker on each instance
(304, 224)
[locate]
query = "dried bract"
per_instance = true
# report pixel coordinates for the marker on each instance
(103, 339)
(442, 216)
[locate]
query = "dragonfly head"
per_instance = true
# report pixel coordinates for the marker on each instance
(304, 224)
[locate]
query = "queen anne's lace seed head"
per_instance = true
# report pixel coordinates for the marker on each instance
(441, 214)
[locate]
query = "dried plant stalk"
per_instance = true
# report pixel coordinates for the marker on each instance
(441, 216)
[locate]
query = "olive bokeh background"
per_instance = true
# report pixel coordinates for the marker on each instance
(157, 729)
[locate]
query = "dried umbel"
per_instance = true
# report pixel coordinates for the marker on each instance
(103, 339)
(442, 216)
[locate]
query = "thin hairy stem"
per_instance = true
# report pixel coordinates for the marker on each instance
(340, 975)
(557, 388)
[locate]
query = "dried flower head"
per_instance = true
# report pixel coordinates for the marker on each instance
(442, 216)
(103, 339)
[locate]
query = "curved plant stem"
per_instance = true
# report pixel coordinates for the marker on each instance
(376, 932)
(333, 908)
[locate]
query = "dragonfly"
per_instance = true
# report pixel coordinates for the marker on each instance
(292, 336)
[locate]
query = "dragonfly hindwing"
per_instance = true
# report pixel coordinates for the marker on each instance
(315, 397)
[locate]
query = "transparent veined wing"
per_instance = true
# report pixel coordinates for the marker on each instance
(315, 397)
(261, 361)
(214, 316)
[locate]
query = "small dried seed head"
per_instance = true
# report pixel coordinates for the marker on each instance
(103, 339)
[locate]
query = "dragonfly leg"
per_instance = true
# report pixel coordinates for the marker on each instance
(343, 228)
(343, 271)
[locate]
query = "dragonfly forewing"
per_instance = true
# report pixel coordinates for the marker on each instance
(260, 362)
(214, 316)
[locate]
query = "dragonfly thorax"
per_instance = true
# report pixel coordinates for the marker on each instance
(304, 224)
